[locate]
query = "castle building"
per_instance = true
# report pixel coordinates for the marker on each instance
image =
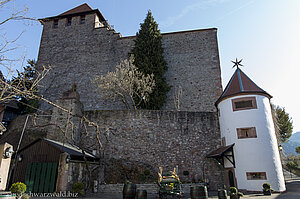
(79, 45)
(246, 124)
(234, 127)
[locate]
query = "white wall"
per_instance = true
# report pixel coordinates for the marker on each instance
(259, 154)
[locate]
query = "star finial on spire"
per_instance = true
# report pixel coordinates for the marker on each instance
(237, 63)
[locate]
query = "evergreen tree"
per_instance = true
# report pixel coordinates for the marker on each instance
(285, 124)
(26, 104)
(149, 59)
(298, 149)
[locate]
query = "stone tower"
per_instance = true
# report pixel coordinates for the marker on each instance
(246, 124)
(79, 45)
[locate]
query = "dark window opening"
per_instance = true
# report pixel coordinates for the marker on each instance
(256, 175)
(55, 23)
(244, 103)
(246, 133)
(69, 21)
(82, 19)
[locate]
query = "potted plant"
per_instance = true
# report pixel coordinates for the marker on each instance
(234, 194)
(267, 190)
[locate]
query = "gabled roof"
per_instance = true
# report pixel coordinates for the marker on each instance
(220, 151)
(74, 151)
(239, 84)
(79, 10)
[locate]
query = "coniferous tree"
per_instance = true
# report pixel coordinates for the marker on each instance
(149, 59)
(27, 104)
(284, 123)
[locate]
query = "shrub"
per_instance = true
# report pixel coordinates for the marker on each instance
(79, 188)
(18, 188)
(240, 194)
(233, 191)
(25, 196)
(266, 186)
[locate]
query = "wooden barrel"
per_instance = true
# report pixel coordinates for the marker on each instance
(198, 192)
(141, 194)
(222, 194)
(129, 191)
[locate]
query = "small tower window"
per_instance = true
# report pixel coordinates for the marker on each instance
(55, 23)
(246, 133)
(244, 103)
(69, 21)
(82, 19)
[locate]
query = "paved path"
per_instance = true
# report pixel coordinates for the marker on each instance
(293, 192)
(292, 184)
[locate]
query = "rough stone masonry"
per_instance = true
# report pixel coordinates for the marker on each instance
(137, 140)
(79, 52)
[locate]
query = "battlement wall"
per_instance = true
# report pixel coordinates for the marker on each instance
(79, 52)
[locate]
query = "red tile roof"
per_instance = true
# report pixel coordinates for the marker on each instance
(239, 84)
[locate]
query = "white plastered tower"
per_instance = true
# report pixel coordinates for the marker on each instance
(246, 121)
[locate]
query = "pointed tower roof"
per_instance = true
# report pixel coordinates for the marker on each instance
(240, 84)
(79, 10)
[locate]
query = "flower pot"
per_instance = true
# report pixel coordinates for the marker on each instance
(267, 192)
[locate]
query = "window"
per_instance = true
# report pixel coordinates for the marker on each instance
(246, 132)
(244, 103)
(55, 23)
(256, 175)
(69, 21)
(82, 19)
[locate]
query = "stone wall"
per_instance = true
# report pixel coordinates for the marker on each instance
(79, 52)
(150, 188)
(140, 140)
(136, 141)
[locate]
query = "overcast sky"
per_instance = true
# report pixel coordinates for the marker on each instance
(264, 33)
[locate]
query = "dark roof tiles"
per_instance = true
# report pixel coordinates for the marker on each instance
(240, 83)
(79, 9)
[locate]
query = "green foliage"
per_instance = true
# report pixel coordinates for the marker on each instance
(233, 191)
(285, 124)
(240, 194)
(78, 188)
(291, 165)
(149, 59)
(266, 186)
(25, 196)
(27, 104)
(18, 188)
(298, 149)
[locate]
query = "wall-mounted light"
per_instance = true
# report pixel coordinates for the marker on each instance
(8, 151)
(20, 158)
(280, 148)
(68, 158)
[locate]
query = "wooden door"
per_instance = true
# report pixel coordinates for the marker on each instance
(41, 177)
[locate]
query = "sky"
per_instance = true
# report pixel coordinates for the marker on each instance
(264, 33)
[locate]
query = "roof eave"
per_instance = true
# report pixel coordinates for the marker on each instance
(264, 93)
(42, 20)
